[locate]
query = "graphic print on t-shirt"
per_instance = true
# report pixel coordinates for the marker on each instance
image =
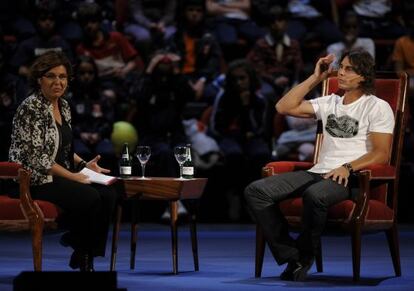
(344, 126)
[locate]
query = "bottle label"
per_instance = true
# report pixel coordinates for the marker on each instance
(125, 171)
(125, 156)
(188, 171)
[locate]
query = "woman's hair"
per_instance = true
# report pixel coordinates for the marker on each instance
(364, 65)
(231, 83)
(46, 62)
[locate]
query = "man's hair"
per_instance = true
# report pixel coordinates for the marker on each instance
(89, 11)
(46, 62)
(276, 12)
(364, 65)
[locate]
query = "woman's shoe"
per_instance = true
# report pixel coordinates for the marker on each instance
(74, 262)
(81, 261)
(86, 263)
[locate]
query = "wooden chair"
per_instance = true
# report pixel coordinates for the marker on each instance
(375, 207)
(24, 213)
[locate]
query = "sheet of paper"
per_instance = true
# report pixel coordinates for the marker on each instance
(98, 177)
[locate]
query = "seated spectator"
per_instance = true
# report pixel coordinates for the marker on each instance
(92, 114)
(276, 57)
(151, 22)
(240, 124)
(378, 19)
(351, 39)
(115, 57)
(298, 140)
(199, 51)
(403, 55)
(310, 21)
(231, 21)
(160, 100)
(44, 40)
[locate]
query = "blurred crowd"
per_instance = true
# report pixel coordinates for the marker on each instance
(205, 72)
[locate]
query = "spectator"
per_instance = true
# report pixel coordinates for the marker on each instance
(152, 22)
(93, 114)
(115, 57)
(240, 124)
(351, 39)
(44, 40)
(231, 22)
(378, 18)
(160, 101)
(310, 21)
(403, 55)
(276, 57)
(298, 139)
(199, 51)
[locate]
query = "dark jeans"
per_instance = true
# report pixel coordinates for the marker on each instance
(318, 194)
(87, 211)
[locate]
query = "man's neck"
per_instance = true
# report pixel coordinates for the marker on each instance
(352, 96)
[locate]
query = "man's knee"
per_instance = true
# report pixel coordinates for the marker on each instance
(314, 199)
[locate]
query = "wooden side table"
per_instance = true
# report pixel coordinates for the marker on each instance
(165, 189)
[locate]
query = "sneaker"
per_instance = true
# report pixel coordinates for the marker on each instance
(287, 274)
(181, 211)
(301, 272)
(296, 270)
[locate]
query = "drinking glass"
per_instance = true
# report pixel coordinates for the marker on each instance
(180, 153)
(143, 154)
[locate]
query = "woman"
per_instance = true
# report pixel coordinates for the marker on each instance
(42, 143)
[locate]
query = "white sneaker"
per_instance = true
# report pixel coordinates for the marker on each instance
(181, 211)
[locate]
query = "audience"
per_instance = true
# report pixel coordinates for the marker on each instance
(195, 42)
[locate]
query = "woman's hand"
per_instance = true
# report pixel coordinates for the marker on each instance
(340, 175)
(93, 165)
(80, 178)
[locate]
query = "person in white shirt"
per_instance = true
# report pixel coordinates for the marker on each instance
(351, 39)
(357, 128)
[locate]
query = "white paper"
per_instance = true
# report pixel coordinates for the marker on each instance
(98, 178)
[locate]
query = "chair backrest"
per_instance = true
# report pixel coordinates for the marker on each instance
(391, 87)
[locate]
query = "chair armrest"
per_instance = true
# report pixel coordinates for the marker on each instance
(284, 167)
(380, 172)
(9, 170)
(30, 208)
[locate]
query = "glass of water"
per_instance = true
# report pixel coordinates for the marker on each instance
(143, 154)
(180, 153)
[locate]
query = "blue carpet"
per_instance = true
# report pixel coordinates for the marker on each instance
(226, 254)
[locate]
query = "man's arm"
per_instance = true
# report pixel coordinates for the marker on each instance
(380, 153)
(293, 103)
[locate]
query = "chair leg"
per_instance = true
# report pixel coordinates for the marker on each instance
(37, 237)
(260, 248)
(174, 240)
(394, 246)
(318, 259)
(134, 236)
(115, 237)
(356, 251)
(193, 231)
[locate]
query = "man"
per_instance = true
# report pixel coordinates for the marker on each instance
(358, 131)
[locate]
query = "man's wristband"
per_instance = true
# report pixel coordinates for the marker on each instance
(348, 166)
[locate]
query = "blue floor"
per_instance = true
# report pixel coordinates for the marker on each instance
(226, 255)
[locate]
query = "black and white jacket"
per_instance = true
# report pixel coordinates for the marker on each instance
(35, 137)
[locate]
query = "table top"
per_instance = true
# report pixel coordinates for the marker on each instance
(164, 188)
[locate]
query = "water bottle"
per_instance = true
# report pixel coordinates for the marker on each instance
(125, 163)
(188, 166)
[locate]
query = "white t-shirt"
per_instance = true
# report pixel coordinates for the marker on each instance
(346, 128)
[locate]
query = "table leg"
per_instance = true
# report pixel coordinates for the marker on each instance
(174, 240)
(193, 232)
(134, 236)
(115, 236)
